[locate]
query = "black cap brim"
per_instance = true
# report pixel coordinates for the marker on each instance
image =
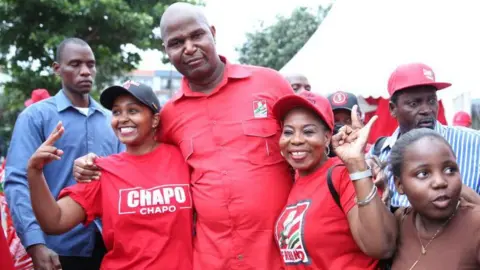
(108, 96)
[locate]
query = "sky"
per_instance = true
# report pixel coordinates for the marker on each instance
(233, 19)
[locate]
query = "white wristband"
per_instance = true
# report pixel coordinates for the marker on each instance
(361, 175)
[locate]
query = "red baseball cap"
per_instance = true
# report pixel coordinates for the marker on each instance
(37, 95)
(305, 99)
(413, 74)
(462, 119)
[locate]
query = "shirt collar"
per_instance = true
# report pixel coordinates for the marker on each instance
(390, 141)
(63, 103)
(232, 71)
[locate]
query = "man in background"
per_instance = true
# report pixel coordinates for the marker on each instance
(87, 128)
(298, 82)
(462, 119)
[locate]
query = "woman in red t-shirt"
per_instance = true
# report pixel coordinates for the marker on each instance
(313, 232)
(143, 197)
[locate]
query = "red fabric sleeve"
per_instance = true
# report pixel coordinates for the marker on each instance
(162, 132)
(347, 191)
(89, 196)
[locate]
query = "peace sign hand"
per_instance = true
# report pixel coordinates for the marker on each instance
(349, 143)
(47, 152)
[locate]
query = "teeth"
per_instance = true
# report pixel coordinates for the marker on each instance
(298, 154)
(126, 129)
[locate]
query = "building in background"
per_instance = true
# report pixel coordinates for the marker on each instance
(164, 83)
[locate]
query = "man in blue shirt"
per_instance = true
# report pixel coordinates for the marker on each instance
(413, 102)
(87, 129)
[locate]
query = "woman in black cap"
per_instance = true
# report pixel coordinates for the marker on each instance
(143, 197)
(334, 218)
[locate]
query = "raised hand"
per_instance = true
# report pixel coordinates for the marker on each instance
(349, 143)
(47, 152)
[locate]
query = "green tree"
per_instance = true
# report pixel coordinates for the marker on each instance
(31, 29)
(275, 45)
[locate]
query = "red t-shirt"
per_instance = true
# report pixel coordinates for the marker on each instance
(313, 232)
(146, 209)
(5, 255)
(240, 182)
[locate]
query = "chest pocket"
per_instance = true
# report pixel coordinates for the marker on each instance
(260, 141)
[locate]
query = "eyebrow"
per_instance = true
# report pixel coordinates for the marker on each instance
(307, 125)
(183, 36)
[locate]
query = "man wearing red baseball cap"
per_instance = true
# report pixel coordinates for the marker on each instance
(37, 95)
(414, 103)
(462, 119)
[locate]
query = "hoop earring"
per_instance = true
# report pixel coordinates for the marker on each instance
(327, 152)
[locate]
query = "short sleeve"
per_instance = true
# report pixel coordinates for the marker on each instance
(162, 133)
(347, 190)
(88, 196)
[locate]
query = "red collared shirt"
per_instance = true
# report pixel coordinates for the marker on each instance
(240, 182)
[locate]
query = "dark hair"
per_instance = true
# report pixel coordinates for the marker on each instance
(397, 154)
(65, 42)
(394, 97)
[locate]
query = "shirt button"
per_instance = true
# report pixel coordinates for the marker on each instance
(224, 172)
(240, 257)
(214, 122)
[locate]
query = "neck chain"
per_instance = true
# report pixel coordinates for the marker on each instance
(424, 248)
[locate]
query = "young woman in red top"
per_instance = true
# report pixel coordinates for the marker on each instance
(313, 232)
(143, 199)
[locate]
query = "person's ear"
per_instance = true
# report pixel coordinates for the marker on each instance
(398, 185)
(393, 109)
(56, 68)
(156, 121)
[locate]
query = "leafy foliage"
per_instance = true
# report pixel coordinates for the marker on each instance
(275, 45)
(30, 31)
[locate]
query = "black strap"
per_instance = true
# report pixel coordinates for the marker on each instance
(384, 264)
(377, 147)
(331, 187)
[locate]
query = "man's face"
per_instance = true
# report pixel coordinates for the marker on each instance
(76, 68)
(190, 46)
(299, 83)
(342, 117)
(416, 107)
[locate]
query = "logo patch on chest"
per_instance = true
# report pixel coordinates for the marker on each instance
(289, 233)
(155, 200)
(260, 109)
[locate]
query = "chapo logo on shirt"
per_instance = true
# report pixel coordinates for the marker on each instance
(289, 234)
(339, 98)
(260, 108)
(156, 200)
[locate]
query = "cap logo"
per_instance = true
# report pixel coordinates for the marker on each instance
(129, 83)
(429, 74)
(339, 98)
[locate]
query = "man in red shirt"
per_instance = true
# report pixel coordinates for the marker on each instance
(223, 123)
